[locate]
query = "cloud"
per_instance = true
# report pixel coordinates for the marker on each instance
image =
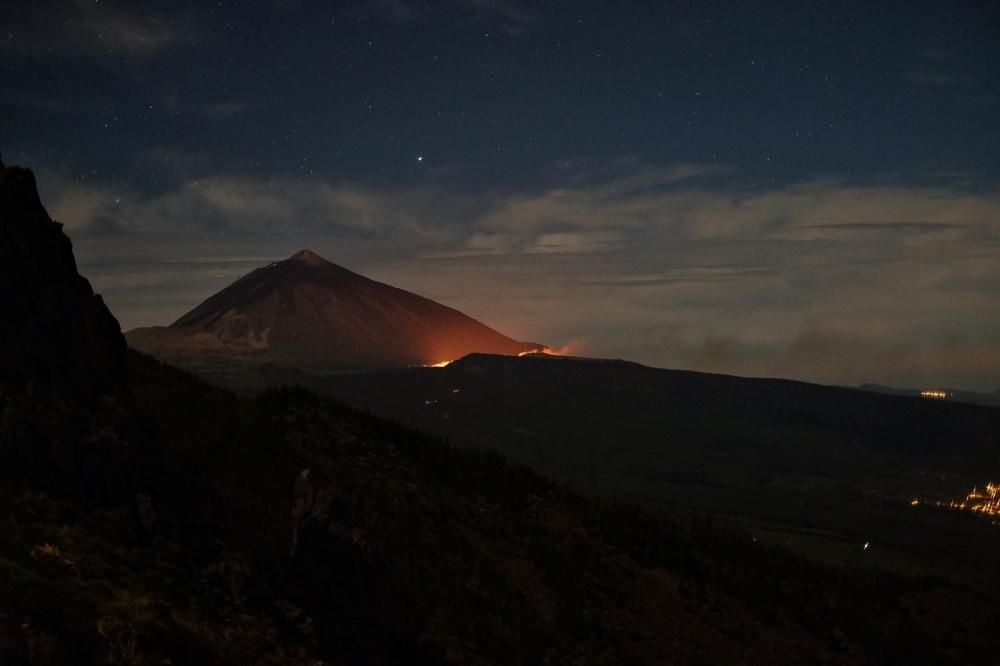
(826, 281)
(52, 103)
(829, 355)
(512, 17)
(222, 110)
(65, 29)
(930, 76)
(254, 207)
(939, 67)
(395, 11)
(576, 242)
(516, 17)
(97, 105)
(694, 274)
(79, 207)
(132, 34)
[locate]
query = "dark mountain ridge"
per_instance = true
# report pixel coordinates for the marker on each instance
(950, 394)
(308, 313)
(56, 334)
(964, 433)
(817, 468)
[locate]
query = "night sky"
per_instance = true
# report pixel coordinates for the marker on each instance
(804, 190)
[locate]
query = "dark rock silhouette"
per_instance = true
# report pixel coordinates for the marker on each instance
(309, 313)
(57, 335)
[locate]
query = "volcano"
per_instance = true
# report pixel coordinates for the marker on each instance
(308, 313)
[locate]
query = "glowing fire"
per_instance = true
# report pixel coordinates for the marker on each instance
(574, 347)
(567, 350)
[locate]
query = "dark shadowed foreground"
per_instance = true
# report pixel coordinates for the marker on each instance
(195, 526)
(818, 469)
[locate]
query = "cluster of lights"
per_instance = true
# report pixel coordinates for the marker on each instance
(538, 350)
(984, 502)
(935, 394)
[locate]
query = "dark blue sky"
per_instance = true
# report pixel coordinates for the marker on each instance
(784, 91)
(616, 153)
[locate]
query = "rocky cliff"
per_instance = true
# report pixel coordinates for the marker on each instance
(55, 333)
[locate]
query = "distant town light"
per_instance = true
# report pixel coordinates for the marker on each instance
(984, 502)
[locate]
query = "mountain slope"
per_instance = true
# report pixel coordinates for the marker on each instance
(817, 468)
(308, 313)
(55, 333)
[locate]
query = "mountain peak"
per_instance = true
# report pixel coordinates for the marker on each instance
(309, 258)
(308, 313)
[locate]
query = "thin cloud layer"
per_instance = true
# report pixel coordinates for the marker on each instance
(824, 281)
(516, 16)
(64, 29)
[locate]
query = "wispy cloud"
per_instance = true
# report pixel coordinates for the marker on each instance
(510, 16)
(222, 110)
(52, 104)
(576, 242)
(515, 16)
(397, 11)
(61, 29)
(939, 67)
(658, 264)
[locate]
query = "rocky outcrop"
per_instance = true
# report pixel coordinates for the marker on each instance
(57, 335)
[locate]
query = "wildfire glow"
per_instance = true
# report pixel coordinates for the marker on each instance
(573, 347)
(570, 349)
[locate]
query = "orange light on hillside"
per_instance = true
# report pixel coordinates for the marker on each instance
(548, 351)
(570, 349)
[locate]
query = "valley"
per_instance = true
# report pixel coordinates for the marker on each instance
(821, 470)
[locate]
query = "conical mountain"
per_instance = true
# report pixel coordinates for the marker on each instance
(308, 313)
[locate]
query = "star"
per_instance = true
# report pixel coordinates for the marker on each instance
(420, 158)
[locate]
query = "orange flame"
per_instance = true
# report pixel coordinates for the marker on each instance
(566, 350)
(569, 349)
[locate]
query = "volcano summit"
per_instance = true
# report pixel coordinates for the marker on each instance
(308, 313)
